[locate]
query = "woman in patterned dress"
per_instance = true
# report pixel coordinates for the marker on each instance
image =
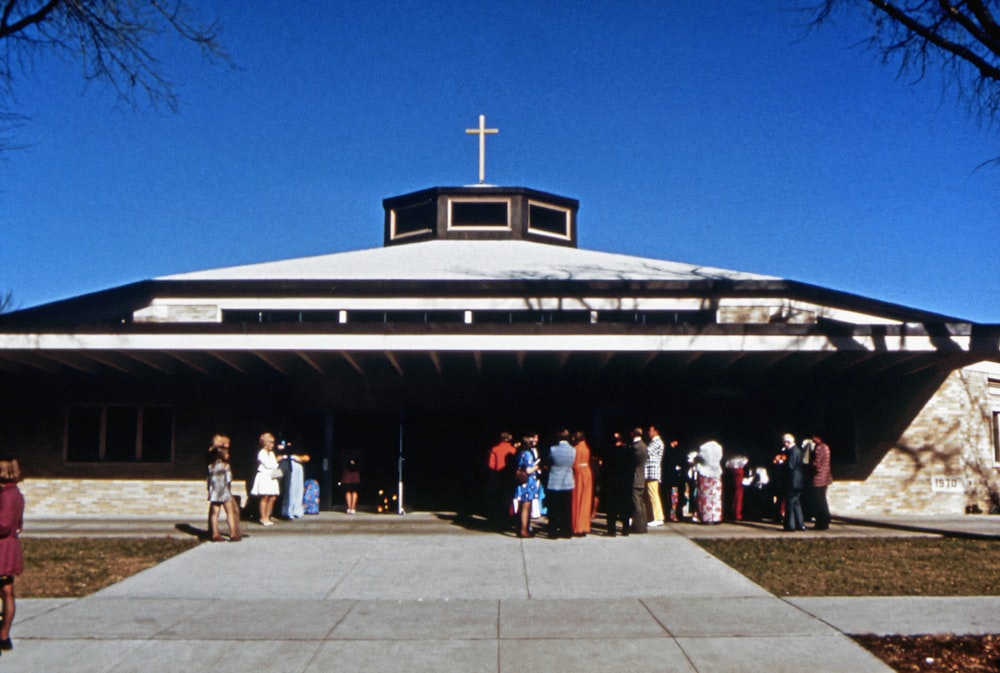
(709, 464)
(528, 491)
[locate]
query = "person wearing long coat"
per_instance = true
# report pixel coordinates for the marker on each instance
(821, 478)
(795, 473)
(617, 473)
(640, 456)
(11, 557)
(583, 489)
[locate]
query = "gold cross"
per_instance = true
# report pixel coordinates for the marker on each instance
(481, 132)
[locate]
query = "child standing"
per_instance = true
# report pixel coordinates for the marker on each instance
(11, 559)
(220, 494)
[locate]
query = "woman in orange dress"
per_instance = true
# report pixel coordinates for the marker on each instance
(583, 491)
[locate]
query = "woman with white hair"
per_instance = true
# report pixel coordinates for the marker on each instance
(709, 464)
(265, 482)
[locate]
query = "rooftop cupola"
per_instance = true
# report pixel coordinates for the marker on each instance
(480, 212)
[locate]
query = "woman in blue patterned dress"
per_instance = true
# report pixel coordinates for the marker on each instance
(526, 492)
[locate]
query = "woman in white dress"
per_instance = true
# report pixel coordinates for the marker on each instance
(265, 484)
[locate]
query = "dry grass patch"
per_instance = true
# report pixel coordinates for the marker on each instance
(74, 567)
(865, 566)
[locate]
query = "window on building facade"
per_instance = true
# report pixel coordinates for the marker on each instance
(515, 317)
(386, 317)
(418, 218)
(280, 316)
(657, 317)
(549, 220)
(478, 214)
(119, 433)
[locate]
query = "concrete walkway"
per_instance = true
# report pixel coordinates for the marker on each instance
(420, 593)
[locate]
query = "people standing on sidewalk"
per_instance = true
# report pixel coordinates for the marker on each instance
(583, 486)
(265, 482)
(640, 455)
(654, 475)
(220, 493)
(499, 480)
(11, 557)
(796, 482)
(350, 480)
(822, 477)
(526, 493)
(735, 474)
(709, 468)
(616, 470)
(291, 504)
(562, 456)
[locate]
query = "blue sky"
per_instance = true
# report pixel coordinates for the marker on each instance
(716, 133)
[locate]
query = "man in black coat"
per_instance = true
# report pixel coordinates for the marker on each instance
(617, 472)
(796, 475)
(640, 454)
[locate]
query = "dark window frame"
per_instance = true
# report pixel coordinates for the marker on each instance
(544, 228)
(471, 203)
(112, 419)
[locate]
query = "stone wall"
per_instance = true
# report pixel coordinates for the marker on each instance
(943, 461)
(110, 498)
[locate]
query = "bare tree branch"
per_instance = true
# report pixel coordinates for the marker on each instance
(7, 301)
(961, 38)
(113, 41)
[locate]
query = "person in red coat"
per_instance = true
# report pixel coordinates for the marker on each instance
(11, 559)
(500, 481)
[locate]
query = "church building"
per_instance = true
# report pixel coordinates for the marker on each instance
(480, 314)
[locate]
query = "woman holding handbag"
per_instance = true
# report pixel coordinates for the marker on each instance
(265, 482)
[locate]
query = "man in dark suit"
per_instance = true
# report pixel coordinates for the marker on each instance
(796, 476)
(640, 455)
(617, 473)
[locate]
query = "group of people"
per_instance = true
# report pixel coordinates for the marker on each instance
(280, 474)
(632, 477)
(516, 484)
(279, 466)
(803, 477)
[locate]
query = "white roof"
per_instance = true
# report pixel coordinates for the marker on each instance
(469, 260)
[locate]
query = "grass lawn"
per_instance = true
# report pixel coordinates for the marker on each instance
(882, 567)
(74, 567)
(865, 566)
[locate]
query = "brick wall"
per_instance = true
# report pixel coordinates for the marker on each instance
(950, 438)
(111, 498)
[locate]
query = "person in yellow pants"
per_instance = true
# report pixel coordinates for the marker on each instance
(654, 473)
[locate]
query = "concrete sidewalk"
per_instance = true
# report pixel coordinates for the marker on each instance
(421, 593)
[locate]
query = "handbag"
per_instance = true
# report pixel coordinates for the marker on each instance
(521, 475)
(277, 473)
